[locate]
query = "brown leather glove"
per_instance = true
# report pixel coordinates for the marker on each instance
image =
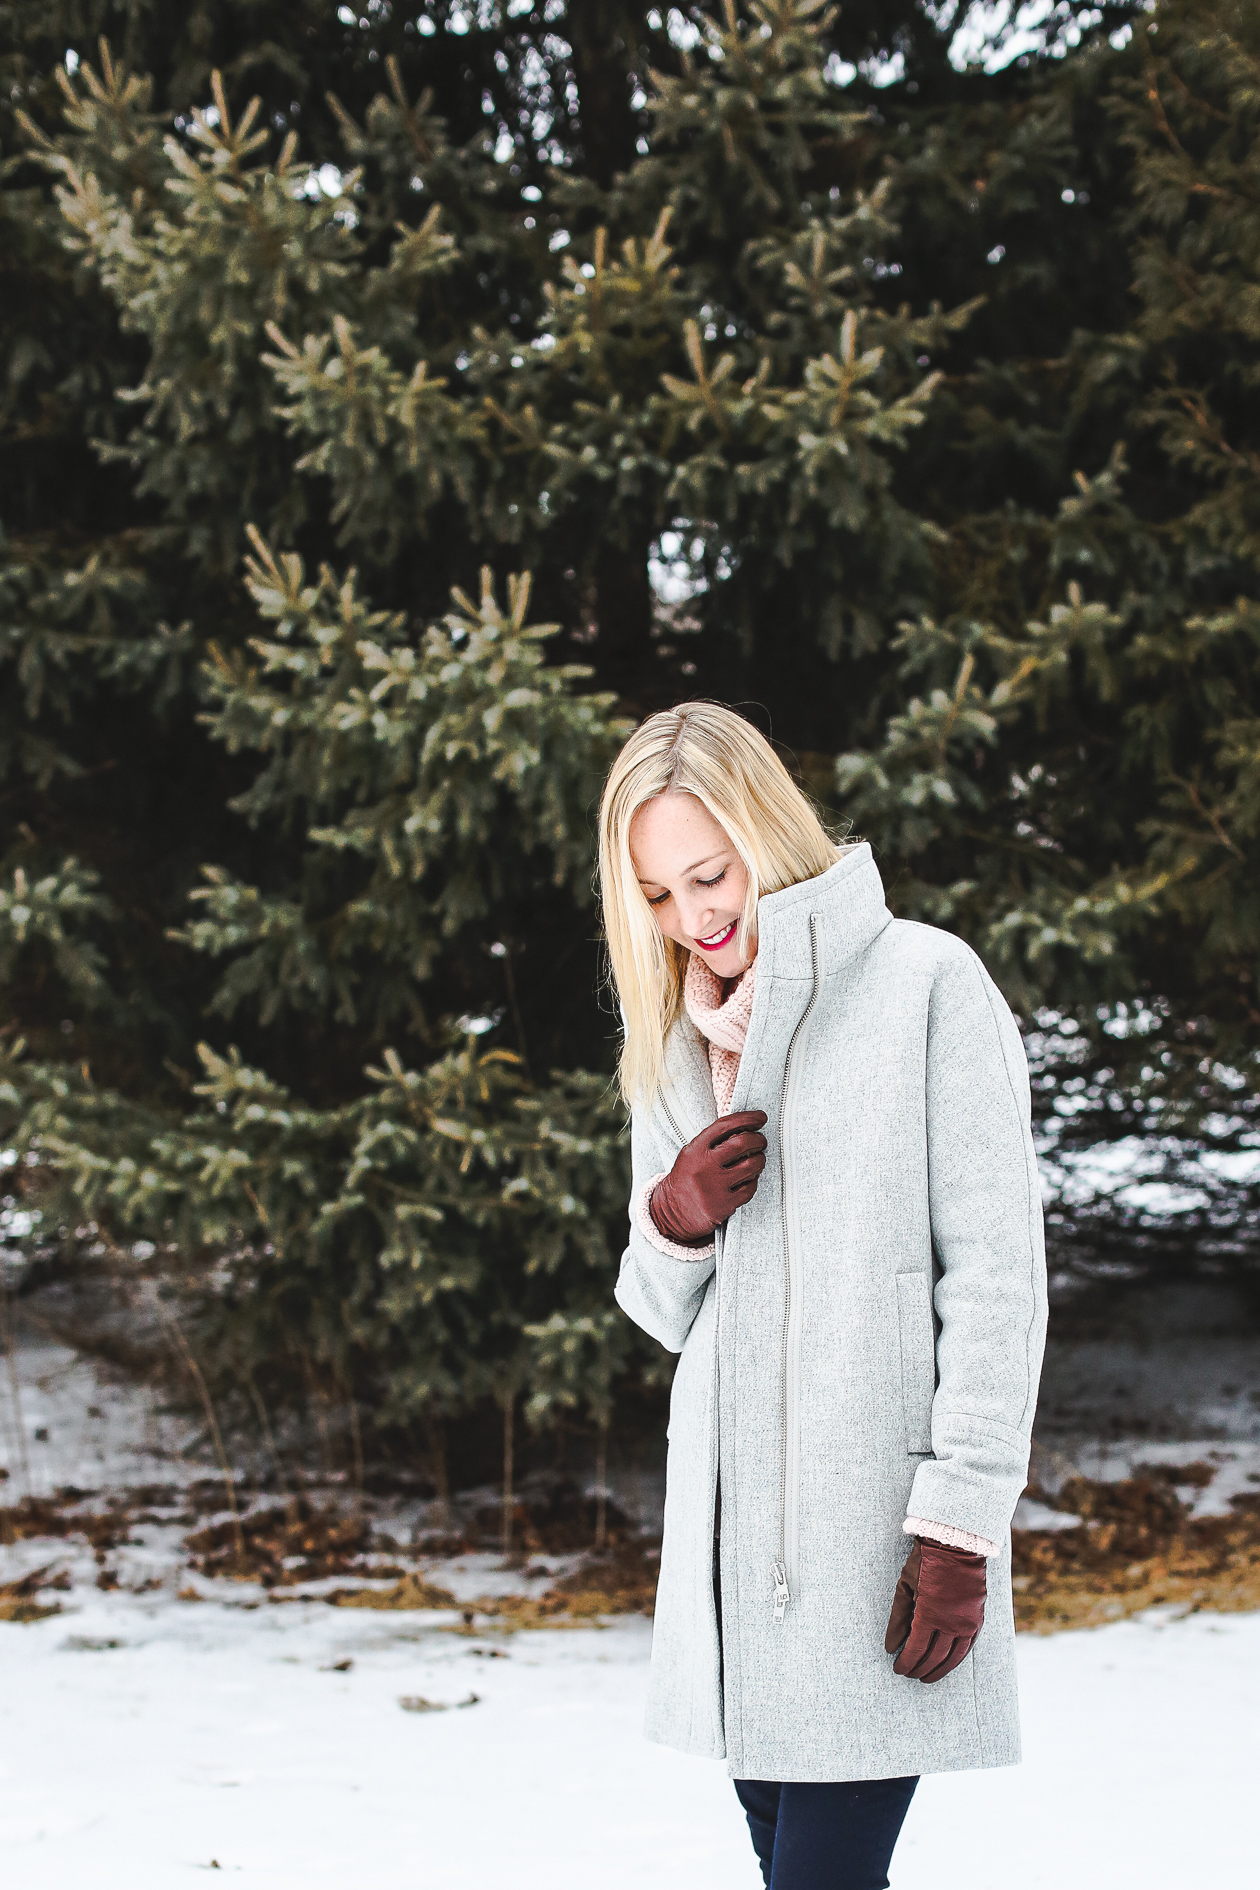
(712, 1175)
(937, 1611)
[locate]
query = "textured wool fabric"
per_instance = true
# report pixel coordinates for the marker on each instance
(910, 1212)
(722, 1021)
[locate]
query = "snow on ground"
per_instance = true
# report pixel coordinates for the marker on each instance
(145, 1739)
(71, 1421)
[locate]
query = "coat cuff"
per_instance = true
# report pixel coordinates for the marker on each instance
(975, 1476)
(949, 1537)
(641, 1215)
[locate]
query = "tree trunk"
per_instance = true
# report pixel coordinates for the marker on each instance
(605, 37)
(509, 1464)
(15, 1391)
(623, 654)
(601, 1487)
(356, 1448)
(609, 40)
(268, 1437)
(435, 1430)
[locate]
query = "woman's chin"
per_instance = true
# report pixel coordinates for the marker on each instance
(724, 964)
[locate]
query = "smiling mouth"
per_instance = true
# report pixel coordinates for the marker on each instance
(717, 940)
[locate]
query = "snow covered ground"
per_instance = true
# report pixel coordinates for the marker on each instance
(145, 1739)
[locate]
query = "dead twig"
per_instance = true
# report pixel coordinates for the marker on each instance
(207, 1404)
(15, 1390)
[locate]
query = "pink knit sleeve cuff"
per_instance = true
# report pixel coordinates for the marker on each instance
(949, 1537)
(641, 1215)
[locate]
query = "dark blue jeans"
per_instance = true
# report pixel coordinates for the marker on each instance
(826, 1837)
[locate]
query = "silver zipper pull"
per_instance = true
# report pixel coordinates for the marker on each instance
(782, 1593)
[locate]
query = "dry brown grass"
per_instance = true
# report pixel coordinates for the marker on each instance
(300, 1542)
(1136, 1547)
(18, 1599)
(410, 1593)
(63, 1514)
(622, 1581)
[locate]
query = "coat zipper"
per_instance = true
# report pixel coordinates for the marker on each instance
(784, 1569)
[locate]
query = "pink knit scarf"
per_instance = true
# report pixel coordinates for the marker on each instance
(723, 1024)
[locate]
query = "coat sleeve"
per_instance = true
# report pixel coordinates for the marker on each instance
(990, 1297)
(660, 1292)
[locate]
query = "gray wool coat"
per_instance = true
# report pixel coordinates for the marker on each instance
(865, 1344)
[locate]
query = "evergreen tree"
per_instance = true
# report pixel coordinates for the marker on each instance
(405, 360)
(1068, 780)
(796, 362)
(473, 769)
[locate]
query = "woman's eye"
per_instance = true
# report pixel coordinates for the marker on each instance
(659, 899)
(713, 882)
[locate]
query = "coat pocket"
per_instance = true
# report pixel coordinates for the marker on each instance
(918, 1360)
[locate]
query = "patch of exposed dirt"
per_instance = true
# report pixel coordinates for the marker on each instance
(297, 1543)
(412, 1592)
(556, 1520)
(62, 1514)
(1136, 1547)
(620, 1581)
(19, 1602)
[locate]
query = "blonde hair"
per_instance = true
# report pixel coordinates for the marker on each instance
(704, 749)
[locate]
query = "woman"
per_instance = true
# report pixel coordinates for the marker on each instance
(836, 1223)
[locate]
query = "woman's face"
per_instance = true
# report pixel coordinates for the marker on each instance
(692, 878)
